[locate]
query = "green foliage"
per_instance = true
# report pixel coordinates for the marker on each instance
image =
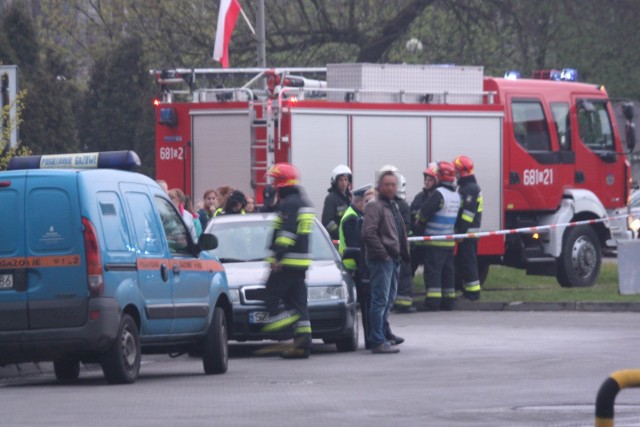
(6, 155)
(118, 110)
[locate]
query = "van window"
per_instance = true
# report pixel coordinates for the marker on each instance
(145, 225)
(9, 214)
(560, 111)
(50, 226)
(594, 124)
(114, 223)
(530, 126)
(174, 228)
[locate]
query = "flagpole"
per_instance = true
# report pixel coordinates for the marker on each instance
(262, 51)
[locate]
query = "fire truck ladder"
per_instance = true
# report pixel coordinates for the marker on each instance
(262, 141)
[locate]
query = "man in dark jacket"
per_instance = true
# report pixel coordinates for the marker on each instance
(430, 177)
(386, 246)
(469, 220)
(290, 258)
(337, 201)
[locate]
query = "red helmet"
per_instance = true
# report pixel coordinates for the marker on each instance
(464, 165)
(284, 175)
(446, 172)
(431, 170)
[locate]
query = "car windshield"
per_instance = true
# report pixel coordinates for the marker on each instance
(245, 241)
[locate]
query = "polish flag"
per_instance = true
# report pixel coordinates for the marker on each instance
(227, 17)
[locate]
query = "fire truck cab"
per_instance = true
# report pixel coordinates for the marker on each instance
(545, 152)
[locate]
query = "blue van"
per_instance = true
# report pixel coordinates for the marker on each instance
(97, 266)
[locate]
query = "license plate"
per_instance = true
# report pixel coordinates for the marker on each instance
(259, 317)
(6, 281)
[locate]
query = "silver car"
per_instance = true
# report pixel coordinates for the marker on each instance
(242, 247)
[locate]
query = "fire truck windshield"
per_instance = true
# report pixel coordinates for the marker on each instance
(594, 125)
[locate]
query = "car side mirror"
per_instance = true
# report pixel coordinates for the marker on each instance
(629, 127)
(352, 253)
(207, 241)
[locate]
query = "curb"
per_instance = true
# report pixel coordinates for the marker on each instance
(24, 370)
(465, 305)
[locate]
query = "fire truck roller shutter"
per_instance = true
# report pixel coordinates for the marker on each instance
(221, 151)
(390, 138)
(319, 142)
(480, 138)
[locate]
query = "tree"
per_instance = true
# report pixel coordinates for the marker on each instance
(118, 105)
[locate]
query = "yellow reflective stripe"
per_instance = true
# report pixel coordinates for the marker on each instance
(466, 217)
(441, 243)
(350, 263)
(480, 203)
(295, 262)
(449, 294)
(472, 287)
(404, 302)
(302, 330)
(306, 216)
(434, 294)
(284, 241)
(283, 323)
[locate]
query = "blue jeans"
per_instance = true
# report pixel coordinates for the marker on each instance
(384, 286)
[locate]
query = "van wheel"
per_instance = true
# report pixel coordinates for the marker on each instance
(66, 368)
(121, 363)
(579, 262)
(215, 350)
(349, 343)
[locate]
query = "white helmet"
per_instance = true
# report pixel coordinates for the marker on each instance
(401, 192)
(340, 170)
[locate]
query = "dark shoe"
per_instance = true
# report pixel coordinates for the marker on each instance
(367, 345)
(431, 305)
(446, 304)
(405, 309)
(471, 296)
(384, 348)
(394, 339)
(296, 353)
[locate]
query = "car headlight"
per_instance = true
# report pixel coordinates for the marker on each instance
(324, 293)
(234, 295)
(634, 224)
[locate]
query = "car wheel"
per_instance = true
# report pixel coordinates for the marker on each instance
(121, 363)
(579, 262)
(215, 350)
(66, 368)
(349, 343)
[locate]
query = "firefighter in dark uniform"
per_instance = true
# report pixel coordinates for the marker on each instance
(469, 220)
(351, 237)
(430, 178)
(290, 259)
(404, 298)
(337, 201)
(438, 216)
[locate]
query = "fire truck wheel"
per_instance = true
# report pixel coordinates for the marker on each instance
(579, 262)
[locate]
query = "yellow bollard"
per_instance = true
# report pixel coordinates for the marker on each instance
(608, 392)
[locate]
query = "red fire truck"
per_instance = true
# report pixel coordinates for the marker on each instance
(546, 151)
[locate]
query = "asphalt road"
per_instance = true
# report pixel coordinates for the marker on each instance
(455, 369)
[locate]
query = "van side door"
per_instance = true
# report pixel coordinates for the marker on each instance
(154, 269)
(13, 284)
(191, 277)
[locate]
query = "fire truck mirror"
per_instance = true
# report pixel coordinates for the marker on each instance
(628, 111)
(630, 127)
(168, 117)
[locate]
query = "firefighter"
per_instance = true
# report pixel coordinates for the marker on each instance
(337, 201)
(469, 220)
(438, 216)
(430, 179)
(290, 258)
(404, 299)
(350, 237)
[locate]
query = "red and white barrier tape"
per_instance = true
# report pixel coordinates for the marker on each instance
(524, 230)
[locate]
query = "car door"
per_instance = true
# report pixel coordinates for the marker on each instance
(57, 285)
(13, 295)
(154, 268)
(190, 276)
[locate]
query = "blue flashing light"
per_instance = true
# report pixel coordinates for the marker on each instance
(512, 75)
(555, 75)
(569, 74)
(123, 160)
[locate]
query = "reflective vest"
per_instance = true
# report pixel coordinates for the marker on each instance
(443, 221)
(349, 263)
